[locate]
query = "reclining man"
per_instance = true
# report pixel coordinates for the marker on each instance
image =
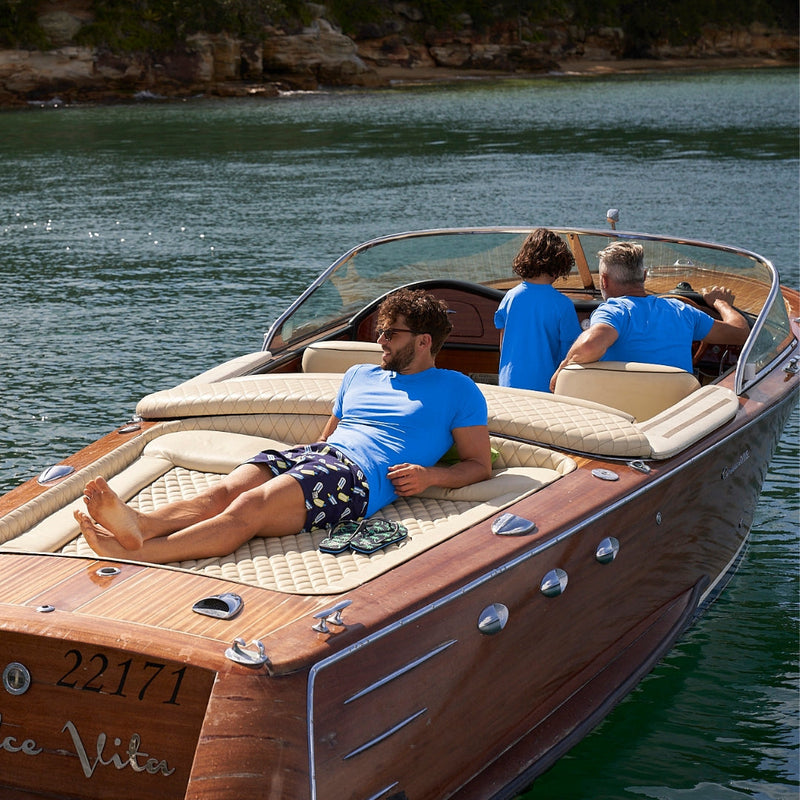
(389, 427)
(631, 325)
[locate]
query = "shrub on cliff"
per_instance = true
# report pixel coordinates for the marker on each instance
(130, 25)
(18, 26)
(675, 21)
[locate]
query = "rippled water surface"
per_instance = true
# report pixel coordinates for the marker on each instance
(142, 244)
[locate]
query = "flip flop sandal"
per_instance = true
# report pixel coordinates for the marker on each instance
(340, 537)
(377, 534)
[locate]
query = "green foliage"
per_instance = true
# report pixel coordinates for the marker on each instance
(18, 26)
(675, 21)
(352, 14)
(444, 14)
(679, 21)
(127, 25)
(157, 25)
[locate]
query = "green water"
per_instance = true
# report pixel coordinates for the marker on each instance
(142, 244)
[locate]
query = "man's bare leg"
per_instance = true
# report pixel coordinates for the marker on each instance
(275, 508)
(131, 527)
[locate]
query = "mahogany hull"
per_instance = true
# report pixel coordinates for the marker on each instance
(463, 671)
(132, 695)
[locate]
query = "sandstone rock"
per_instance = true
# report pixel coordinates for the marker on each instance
(319, 52)
(60, 27)
(24, 71)
(251, 61)
(455, 55)
(490, 56)
(394, 51)
(227, 57)
(115, 71)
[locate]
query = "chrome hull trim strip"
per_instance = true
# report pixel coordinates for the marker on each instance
(716, 588)
(385, 735)
(402, 671)
(383, 792)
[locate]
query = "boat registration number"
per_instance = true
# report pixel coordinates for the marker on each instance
(106, 714)
(95, 672)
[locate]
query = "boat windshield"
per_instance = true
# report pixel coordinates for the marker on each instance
(377, 267)
(485, 256)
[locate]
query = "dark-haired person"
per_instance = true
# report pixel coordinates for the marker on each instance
(632, 325)
(538, 323)
(389, 427)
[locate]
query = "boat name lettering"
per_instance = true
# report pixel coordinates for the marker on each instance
(11, 744)
(115, 679)
(132, 757)
(728, 471)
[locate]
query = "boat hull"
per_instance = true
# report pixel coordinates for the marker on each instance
(460, 663)
(560, 663)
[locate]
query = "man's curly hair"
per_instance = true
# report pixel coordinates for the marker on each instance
(543, 252)
(423, 313)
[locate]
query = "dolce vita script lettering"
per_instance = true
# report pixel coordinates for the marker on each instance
(10, 744)
(99, 756)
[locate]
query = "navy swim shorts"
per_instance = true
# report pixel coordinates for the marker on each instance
(335, 489)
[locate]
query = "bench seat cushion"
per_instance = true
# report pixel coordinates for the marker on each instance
(294, 408)
(180, 463)
(641, 390)
(340, 356)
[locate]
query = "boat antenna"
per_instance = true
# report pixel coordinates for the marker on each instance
(612, 217)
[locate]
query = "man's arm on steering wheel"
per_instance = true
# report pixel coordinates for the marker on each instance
(732, 327)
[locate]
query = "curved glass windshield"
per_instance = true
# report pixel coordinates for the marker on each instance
(485, 256)
(378, 267)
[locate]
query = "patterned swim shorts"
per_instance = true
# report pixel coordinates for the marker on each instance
(335, 489)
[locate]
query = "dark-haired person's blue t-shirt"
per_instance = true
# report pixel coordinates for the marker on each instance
(387, 418)
(539, 325)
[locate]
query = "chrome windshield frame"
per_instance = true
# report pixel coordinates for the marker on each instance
(744, 376)
(743, 380)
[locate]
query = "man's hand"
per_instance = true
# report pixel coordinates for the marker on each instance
(475, 465)
(408, 479)
(732, 328)
(717, 293)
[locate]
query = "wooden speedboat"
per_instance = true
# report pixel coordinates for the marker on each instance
(460, 662)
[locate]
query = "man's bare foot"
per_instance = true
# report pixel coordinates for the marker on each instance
(118, 519)
(101, 541)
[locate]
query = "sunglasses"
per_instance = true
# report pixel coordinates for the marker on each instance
(388, 333)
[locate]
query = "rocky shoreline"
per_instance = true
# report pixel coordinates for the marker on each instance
(392, 76)
(321, 56)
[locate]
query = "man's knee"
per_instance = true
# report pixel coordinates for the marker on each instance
(275, 510)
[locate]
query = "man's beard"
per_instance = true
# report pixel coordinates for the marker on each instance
(401, 359)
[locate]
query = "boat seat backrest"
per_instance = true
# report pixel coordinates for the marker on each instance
(641, 390)
(340, 356)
